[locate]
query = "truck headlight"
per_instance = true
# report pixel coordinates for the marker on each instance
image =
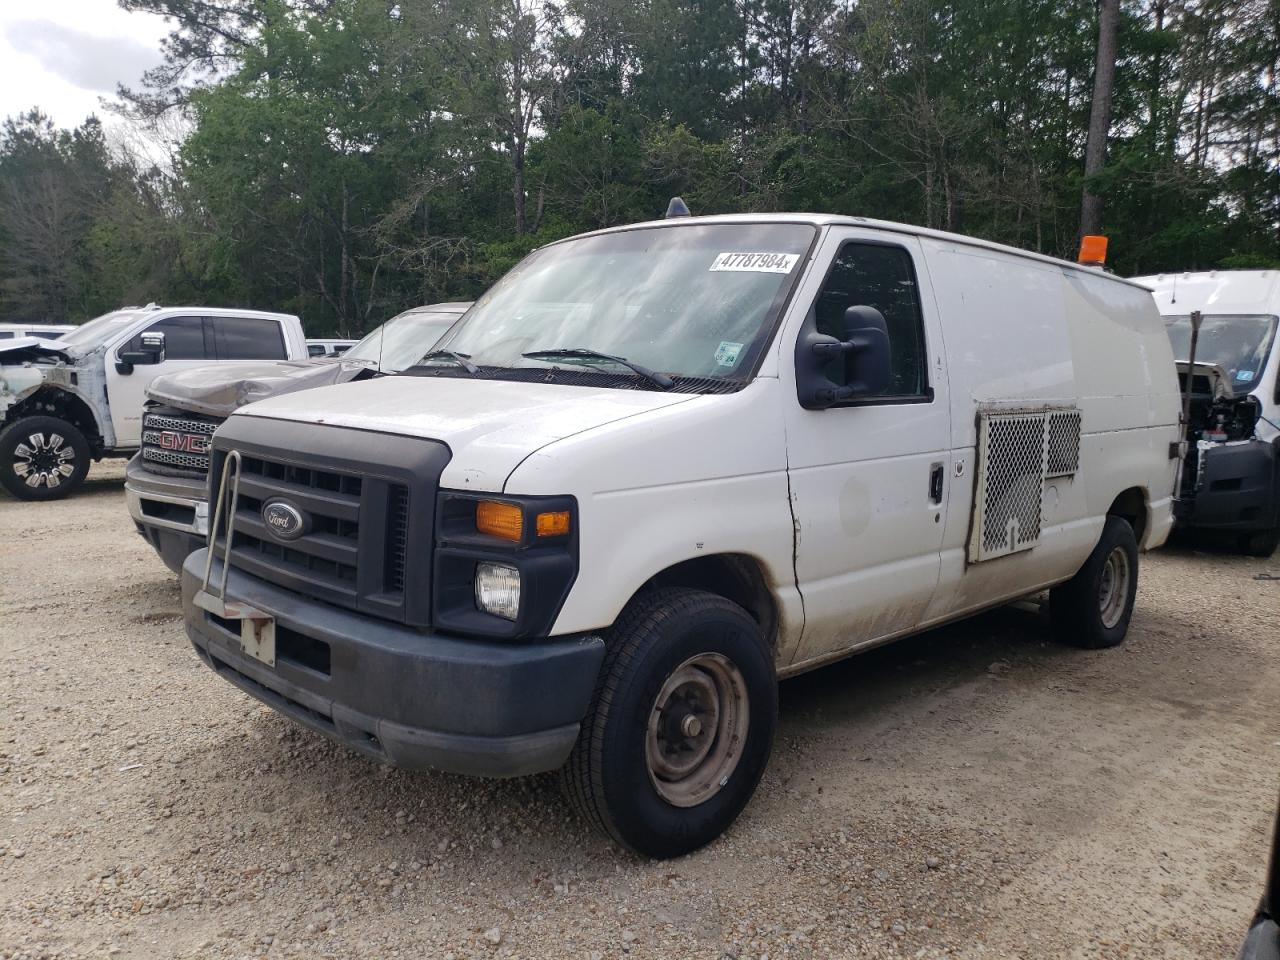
(498, 589)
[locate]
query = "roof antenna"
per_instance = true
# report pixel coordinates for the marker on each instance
(382, 338)
(1175, 289)
(677, 208)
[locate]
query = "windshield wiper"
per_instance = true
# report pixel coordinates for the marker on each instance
(659, 379)
(461, 359)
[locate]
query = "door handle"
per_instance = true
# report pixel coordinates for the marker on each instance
(935, 483)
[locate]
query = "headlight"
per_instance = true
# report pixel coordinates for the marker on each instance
(498, 589)
(503, 568)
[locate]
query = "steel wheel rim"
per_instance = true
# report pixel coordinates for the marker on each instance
(44, 460)
(697, 729)
(1114, 591)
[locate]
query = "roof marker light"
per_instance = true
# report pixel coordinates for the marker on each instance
(677, 208)
(1093, 251)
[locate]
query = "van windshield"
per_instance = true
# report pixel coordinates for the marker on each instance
(1238, 343)
(686, 300)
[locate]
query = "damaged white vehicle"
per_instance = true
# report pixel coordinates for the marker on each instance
(79, 398)
(166, 484)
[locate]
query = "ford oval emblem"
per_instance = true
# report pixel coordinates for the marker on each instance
(284, 520)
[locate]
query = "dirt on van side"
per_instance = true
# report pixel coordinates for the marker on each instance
(974, 792)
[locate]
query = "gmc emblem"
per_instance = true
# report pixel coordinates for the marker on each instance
(182, 442)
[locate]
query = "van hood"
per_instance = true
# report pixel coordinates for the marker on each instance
(222, 388)
(489, 425)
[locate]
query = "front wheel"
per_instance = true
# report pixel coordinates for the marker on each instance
(681, 724)
(1093, 608)
(42, 458)
(1261, 543)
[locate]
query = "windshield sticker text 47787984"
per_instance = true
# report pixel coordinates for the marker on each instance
(755, 262)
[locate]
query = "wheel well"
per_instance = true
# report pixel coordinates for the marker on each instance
(1131, 506)
(733, 576)
(52, 402)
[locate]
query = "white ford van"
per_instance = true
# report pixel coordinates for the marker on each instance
(657, 468)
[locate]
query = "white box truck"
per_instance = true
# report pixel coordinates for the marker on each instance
(657, 468)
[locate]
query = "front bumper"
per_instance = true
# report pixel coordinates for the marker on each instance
(403, 696)
(1237, 488)
(171, 513)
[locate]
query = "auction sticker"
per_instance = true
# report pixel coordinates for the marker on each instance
(727, 353)
(755, 262)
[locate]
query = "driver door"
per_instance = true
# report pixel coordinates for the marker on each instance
(187, 343)
(868, 475)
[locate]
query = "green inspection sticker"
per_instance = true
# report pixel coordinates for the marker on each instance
(727, 353)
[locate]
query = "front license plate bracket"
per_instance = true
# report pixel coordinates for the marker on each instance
(258, 637)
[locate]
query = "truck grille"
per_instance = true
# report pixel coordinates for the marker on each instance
(367, 508)
(177, 443)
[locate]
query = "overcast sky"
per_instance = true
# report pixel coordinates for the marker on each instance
(65, 55)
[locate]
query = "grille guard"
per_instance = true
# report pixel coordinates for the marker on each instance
(257, 629)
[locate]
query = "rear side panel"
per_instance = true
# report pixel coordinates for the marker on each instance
(1036, 340)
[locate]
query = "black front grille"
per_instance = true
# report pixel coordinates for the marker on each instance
(175, 442)
(363, 543)
(327, 555)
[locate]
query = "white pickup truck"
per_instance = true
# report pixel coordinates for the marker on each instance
(65, 402)
(166, 483)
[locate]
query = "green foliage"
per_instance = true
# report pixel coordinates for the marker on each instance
(348, 158)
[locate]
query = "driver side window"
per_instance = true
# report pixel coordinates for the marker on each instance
(881, 276)
(183, 339)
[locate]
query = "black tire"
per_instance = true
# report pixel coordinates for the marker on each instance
(1261, 543)
(1092, 610)
(662, 636)
(20, 456)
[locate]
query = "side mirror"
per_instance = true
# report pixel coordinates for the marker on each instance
(150, 351)
(862, 352)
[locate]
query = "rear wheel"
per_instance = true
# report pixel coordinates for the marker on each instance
(42, 458)
(680, 726)
(1093, 608)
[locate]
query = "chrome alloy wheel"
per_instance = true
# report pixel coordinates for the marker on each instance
(45, 460)
(697, 729)
(1113, 592)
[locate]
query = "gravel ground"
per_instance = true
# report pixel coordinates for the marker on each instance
(974, 792)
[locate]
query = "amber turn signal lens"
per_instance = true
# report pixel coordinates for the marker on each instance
(553, 524)
(504, 520)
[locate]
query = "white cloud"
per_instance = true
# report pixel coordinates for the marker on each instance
(63, 56)
(85, 60)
